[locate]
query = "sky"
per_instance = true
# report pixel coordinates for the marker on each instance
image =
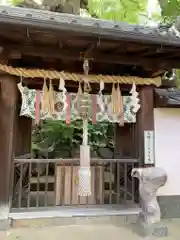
(153, 7)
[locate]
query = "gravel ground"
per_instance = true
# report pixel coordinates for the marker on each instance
(86, 232)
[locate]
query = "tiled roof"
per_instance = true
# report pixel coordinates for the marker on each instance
(89, 26)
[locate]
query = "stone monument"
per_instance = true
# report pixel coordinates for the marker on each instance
(150, 180)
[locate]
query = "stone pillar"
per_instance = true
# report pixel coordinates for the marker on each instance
(8, 105)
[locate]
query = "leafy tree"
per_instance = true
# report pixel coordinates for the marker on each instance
(118, 10)
(170, 9)
(57, 139)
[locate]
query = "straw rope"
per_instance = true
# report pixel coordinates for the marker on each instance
(52, 74)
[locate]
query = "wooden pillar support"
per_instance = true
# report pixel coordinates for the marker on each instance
(23, 135)
(8, 103)
(145, 122)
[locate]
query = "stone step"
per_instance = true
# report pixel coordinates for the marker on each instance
(63, 216)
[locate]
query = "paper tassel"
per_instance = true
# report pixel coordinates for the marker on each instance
(61, 96)
(134, 98)
(85, 132)
(20, 85)
(51, 98)
(61, 84)
(84, 188)
(101, 86)
(114, 99)
(94, 108)
(37, 107)
(85, 170)
(99, 98)
(120, 105)
(45, 99)
(68, 109)
(79, 90)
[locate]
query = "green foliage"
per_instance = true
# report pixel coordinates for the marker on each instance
(178, 78)
(156, 17)
(170, 9)
(117, 10)
(127, 10)
(16, 2)
(53, 136)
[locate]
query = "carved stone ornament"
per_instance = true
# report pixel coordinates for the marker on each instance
(150, 180)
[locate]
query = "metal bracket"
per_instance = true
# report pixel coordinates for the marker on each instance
(84, 55)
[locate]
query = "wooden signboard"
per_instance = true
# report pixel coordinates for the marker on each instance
(149, 147)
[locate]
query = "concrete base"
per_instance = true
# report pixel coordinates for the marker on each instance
(5, 225)
(62, 216)
(170, 206)
(160, 230)
(157, 230)
(5, 222)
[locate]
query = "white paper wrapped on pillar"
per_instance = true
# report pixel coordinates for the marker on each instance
(84, 181)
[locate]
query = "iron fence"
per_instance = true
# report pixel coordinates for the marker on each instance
(54, 182)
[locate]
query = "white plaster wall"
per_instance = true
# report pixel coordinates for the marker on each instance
(167, 147)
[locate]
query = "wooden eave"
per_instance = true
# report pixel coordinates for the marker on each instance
(54, 22)
(42, 39)
(169, 98)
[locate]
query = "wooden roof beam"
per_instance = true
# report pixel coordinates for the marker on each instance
(123, 59)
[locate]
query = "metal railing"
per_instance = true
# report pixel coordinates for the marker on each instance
(54, 182)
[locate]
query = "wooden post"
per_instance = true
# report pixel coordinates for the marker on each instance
(23, 135)
(145, 119)
(8, 103)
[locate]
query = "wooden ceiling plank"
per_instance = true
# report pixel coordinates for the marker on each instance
(69, 54)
